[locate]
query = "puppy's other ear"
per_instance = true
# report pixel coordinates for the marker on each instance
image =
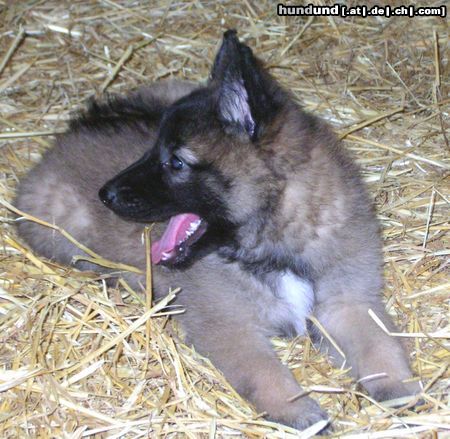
(246, 96)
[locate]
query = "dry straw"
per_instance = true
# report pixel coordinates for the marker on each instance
(74, 360)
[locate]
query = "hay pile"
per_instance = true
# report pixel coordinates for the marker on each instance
(76, 363)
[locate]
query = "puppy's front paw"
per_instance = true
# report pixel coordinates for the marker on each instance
(299, 414)
(385, 390)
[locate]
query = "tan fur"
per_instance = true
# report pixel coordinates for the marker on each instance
(321, 215)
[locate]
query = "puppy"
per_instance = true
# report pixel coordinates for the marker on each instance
(267, 222)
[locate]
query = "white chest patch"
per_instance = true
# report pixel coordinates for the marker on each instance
(298, 295)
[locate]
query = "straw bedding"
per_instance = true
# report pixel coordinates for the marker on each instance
(78, 359)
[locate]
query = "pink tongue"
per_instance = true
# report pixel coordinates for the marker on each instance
(174, 234)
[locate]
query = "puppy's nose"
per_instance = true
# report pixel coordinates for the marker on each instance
(107, 194)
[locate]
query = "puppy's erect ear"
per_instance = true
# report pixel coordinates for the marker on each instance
(246, 93)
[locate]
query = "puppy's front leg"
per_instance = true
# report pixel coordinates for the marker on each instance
(343, 310)
(244, 355)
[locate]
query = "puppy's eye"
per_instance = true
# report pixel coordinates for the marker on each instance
(175, 163)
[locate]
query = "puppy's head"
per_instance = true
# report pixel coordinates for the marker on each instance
(206, 173)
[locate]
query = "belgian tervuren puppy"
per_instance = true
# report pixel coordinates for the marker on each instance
(268, 221)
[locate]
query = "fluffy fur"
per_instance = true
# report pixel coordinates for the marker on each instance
(290, 229)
